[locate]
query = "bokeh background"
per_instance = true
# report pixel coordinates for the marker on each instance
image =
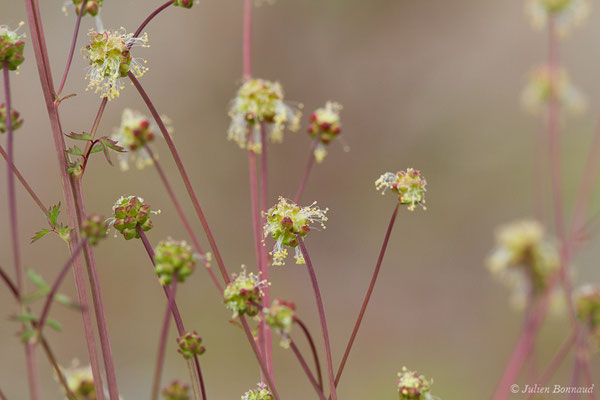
(433, 85)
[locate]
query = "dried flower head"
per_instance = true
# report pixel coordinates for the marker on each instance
(546, 84)
(524, 258)
(173, 259)
(286, 220)
(129, 213)
(135, 132)
(110, 60)
(260, 393)
(413, 386)
(81, 382)
(281, 316)
(176, 391)
(190, 344)
(243, 294)
(587, 305)
(16, 121)
(409, 185)
(94, 228)
(183, 3)
(260, 102)
(11, 47)
(325, 126)
(567, 14)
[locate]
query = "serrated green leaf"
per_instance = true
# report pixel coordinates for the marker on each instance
(54, 213)
(76, 151)
(66, 301)
(106, 153)
(112, 144)
(39, 235)
(37, 279)
(97, 148)
(25, 317)
(35, 296)
(79, 136)
(54, 324)
(64, 232)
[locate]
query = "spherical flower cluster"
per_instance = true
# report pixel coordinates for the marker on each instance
(281, 316)
(325, 126)
(242, 295)
(190, 344)
(94, 228)
(260, 102)
(11, 47)
(173, 259)
(134, 133)
(176, 391)
(524, 258)
(546, 84)
(16, 121)
(80, 382)
(110, 60)
(183, 3)
(92, 7)
(286, 220)
(129, 213)
(409, 185)
(566, 14)
(587, 304)
(413, 386)
(260, 393)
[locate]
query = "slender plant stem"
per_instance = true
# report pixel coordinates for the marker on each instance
(72, 49)
(184, 176)
(2, 396)
(26, 185)
(182, 216)
(61, 377)
(247, 39)
(315, 284)
(309, 165)
(151, 16)
(10, 284)
(313, 349)
(309, 374)
(361, 314)
(57, 283)
(174, 309)
(162, 347)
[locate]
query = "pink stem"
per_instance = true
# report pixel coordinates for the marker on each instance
(313, 349)
(363, 309)
(162, 347)
(151, 16)
(315, 284)
(10, 284)
(309, 374)
(72, 49)
(247, 38)
(309, 165)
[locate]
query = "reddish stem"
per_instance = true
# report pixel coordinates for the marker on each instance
(309, 374)
(315, 285)
(72, 49)
(151, 16)
(313, 349)
(361, 314)
(247, 39)
(309, 165)
(162, 347)
(10, 284)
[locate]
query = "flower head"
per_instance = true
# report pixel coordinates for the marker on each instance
(260, 102)
(16, 121)
(173, 259)
(587, 305)
(325, 126)
(183, 3)
(281, 316)
(11, 47)
(413, 386)
(110, 60)
(190, 344)
(567, 14)
(546, 84)
(260, 393)
(243, 294)
(129, 213)
(94, 228)
(81, 382)
(176, 391)
(409, 185)
(134, 133)
(286, 220)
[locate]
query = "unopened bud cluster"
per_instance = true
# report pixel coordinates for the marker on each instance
(190, 345)
(566, 14)
(409, 185)
(281, 316)
(548, 84)
(80, 382)
(134, 133)
(242, 295)
(183, 3)
(413, 386)
(260, 393)
(94, 228)
(11, 48)
(129, 214)
(587, 305)
(325, 126)
(176, 391)
(15, 119)
(173, 259)
(260, 102)
(285, 221)
(92, 7)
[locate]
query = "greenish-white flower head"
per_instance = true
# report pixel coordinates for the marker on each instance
(566, 14)
(286, 220)
(260, 102)
(11, 47)
(15, 119)
(413, 386)
(134, 133)
(94, 228)
(110, 61)
(281, 316)
(129, 213)
(547, 84)
(176, 391)
(587, 306)
(190, 345)
(409, 185)
(260, 393)
(80, 381)
(325, 125)
(172, 259)
(243, 294)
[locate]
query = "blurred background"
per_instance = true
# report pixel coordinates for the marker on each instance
(433, 85)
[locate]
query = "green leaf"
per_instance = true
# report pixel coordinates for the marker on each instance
(64, 232)
(25, 317)
(54, 213)
(39, 235)
(37, 280)
(28, 334)
(112, 144)
(76, 151)
(106, 153)
(79, 136)
(66, 301)
(97, 148)
(35, 296)
(54, 324)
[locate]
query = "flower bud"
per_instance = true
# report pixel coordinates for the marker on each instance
(183, 3)
(129, 213)
(94, 229)
(325, 126)
(408, 185)
(281, 316)
(173, 259)
(16, 121)
(260, 393)
(190, 344)
(11, 47)
(243, 294)
(176, 391)
(413, 386)
(587, 306)
(80, 382)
